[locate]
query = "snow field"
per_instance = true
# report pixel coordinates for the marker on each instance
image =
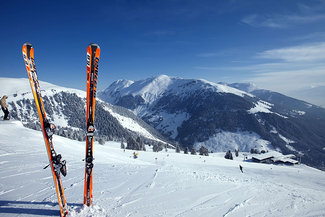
(155, 184)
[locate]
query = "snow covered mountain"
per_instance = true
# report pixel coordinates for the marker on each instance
(286, 105)
(156, 184)
(220, 117)
(66, 108)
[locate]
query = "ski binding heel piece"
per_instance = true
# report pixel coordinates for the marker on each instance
(49, 129)
(63, 168)
(60, 165)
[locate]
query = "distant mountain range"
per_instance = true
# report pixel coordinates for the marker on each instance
(221, 116)
(66, 108)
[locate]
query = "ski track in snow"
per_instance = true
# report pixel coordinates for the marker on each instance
(155, 184)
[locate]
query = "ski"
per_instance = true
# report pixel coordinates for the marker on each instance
(93, 52)
(57, 165)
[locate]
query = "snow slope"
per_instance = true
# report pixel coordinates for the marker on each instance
(143, 97)
(155, 184)
(153, 88)
(19, 89)
(196, 112)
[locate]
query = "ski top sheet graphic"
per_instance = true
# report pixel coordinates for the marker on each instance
(93, 52)
(55, 162)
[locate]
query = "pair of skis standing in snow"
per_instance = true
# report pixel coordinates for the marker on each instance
(57, 165)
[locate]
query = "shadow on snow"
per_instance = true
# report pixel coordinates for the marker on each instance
(6, 207)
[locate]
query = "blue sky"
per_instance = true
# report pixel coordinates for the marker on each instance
(278, 45)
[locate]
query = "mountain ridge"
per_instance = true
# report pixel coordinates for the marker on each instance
(65, 107)
(194, 111)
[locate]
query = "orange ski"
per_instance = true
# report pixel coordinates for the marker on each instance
(57, 166)
(93, 52)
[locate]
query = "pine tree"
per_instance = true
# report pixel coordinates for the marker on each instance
(229, 155)
(204, 151)
(101, 141)
(178, 149)
(122, 144)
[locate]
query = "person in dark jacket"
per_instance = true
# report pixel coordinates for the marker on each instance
(4, 107)
(241, 168)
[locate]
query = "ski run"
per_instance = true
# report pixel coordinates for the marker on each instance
(154, 184)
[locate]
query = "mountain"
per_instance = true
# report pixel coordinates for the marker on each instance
(66, 108)
(314, 94)
(154, 184)
(196, 112)
(286, 105)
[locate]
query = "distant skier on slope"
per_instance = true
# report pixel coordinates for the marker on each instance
(241, 168)
(4, 107)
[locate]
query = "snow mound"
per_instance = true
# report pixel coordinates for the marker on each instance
(86, 211)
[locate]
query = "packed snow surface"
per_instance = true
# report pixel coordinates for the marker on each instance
(154, 184)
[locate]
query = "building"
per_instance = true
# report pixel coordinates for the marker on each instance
(275, 158)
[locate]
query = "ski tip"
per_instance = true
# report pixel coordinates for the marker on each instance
(28, 44)
(93, 45)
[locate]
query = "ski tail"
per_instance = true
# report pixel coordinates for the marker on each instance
(28, 55)
(93, 53)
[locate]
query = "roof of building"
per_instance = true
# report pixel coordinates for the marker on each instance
(265, 156)
(284, 160)
(276, 157)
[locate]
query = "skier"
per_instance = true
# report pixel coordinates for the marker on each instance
(4, 107)
(241, 168)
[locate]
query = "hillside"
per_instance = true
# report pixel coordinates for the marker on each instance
(155, 184)
(66, 108)
(197, 112)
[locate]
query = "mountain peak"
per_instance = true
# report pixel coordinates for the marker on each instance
(247, 87)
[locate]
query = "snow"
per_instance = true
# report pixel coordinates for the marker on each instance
(291, 148)
(247, 87)
(286, 140)
(131, 124)
(19, 88)
(169, 122)
(264, 107)
(260, 106)
(227, 89)
(299, 112)
(274, 131)
(244, 141)
(152, 88)
(155, 184)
